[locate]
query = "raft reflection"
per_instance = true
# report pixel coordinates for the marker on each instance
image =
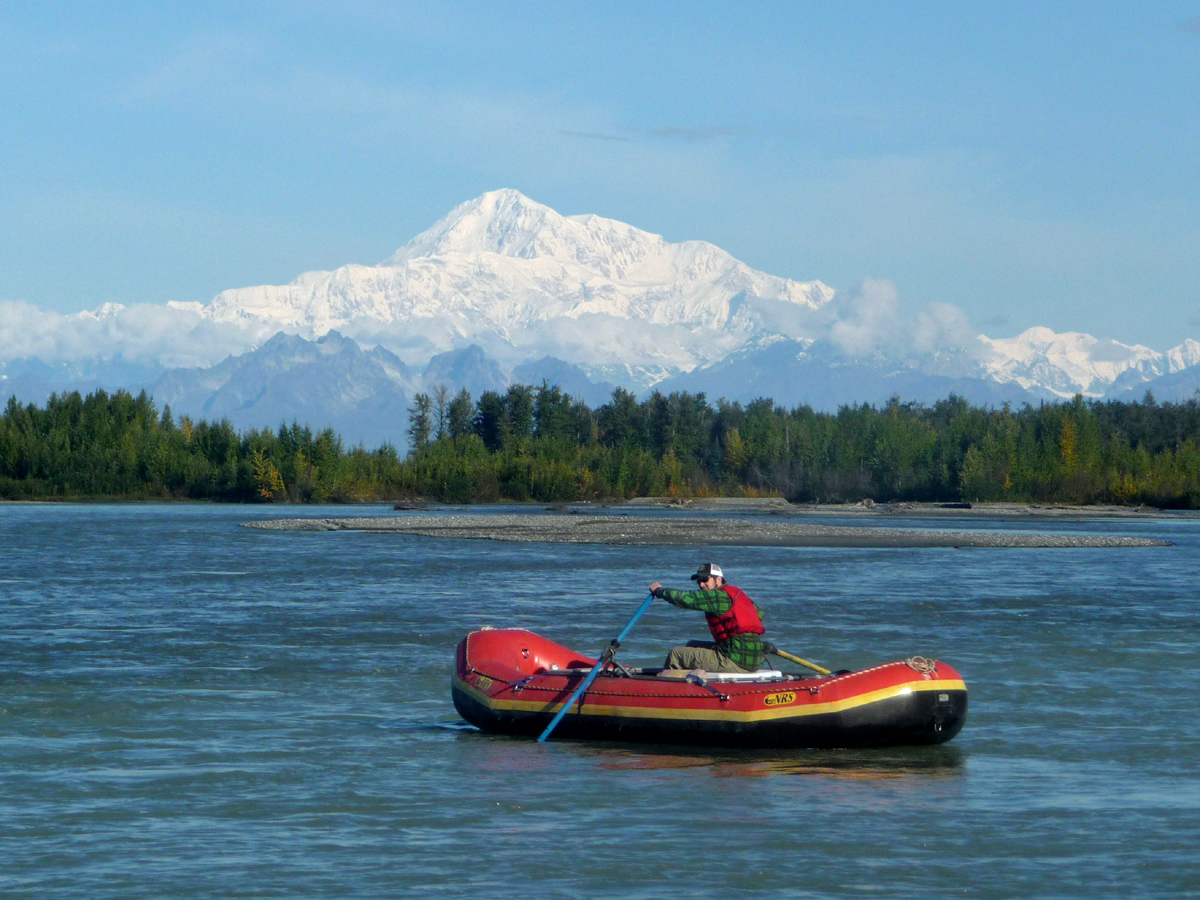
(846, 765)
(882, 764)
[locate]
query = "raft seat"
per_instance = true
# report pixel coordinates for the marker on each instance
(762, 675)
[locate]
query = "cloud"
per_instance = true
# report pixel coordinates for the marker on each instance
(997, 321)
(865, 320)
(139, 333)
(941, 326)
(691, 135)
(868, 319)
(865, 317)
(596, 136)
(1191, 26)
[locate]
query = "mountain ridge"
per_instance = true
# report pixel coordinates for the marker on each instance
(505, 285)
(505, 266)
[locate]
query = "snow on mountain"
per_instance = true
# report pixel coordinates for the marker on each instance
(502, 281)
(104, 311)
(504, 270)
(1183, 357)
(1071, 363)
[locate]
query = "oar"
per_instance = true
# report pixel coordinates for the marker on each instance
(772, 649)
(609, 652)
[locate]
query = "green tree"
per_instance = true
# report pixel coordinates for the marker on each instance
(420, 422)
(491, 421)
(458, 416)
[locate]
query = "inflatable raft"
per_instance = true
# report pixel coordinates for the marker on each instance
(513, 682)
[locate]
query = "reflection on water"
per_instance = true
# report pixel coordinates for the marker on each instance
(850, 765)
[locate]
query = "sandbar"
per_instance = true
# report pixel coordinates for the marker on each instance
(559, 528)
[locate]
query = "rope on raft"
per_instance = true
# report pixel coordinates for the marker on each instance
(921, 664)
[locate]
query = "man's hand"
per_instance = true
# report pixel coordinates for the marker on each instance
(654, 586)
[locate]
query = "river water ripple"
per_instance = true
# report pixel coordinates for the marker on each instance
(193, 709)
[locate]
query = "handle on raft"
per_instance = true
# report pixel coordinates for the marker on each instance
(608, 654)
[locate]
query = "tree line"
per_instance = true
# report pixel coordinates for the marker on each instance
(120, 446)
(538, 443)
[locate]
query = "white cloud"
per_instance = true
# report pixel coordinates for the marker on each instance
(141, 333)
(869, 319)
(941, 326)
(865, 317)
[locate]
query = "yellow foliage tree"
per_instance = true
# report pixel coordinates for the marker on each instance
(1069, 441)
(267, 478)
(736, 452)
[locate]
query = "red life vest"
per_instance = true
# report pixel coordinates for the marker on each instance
(741, 617)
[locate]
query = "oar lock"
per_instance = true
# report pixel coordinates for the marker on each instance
(700, 681)
(591, 676)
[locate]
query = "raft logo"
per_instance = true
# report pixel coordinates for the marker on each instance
(779, 699)
(483, 682)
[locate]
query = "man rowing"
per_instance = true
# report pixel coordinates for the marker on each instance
(733, 618)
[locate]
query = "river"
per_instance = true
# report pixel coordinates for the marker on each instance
(189, 708)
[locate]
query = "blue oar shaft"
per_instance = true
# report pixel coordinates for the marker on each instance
(591, 676)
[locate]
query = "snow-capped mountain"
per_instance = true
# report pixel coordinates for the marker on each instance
(1074, 363)
(1182, 357)
(522, 280)
(506, 289)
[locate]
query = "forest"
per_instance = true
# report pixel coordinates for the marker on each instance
(538, 444)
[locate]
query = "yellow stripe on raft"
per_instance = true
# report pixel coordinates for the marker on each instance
(726, 715)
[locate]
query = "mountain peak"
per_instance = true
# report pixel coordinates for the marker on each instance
(503, 222)
(104, 311)
(505, 270)
(508, 224)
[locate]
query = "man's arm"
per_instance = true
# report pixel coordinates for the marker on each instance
(705, 601)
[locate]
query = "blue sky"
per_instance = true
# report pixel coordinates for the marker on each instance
(1032, 166)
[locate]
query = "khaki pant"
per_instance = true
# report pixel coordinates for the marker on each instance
(701, 655)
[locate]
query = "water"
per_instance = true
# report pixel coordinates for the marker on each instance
(193, 709)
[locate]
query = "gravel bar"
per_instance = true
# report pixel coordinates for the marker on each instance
(568, 529)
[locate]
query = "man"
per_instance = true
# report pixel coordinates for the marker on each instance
(733, 618)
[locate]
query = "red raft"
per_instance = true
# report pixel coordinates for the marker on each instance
(513, 681)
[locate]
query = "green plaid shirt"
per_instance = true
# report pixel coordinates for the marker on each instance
(744, 649)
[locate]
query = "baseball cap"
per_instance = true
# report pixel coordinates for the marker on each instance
(707, 570)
